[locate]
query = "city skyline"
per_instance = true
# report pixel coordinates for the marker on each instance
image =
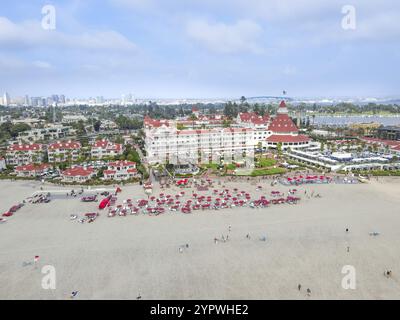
(205, 49)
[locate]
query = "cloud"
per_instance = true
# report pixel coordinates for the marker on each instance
(223, 38)
(30, 34)
(41, 64)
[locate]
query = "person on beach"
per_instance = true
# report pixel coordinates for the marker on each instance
(215, 240)
(299, 287)
(139, 297)
(229, 228)
(347, 230)
(73, 294)
(348, 249)
(248, 236)
(180, 250)
(308, 292)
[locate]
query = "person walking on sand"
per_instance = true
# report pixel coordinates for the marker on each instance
(299, 287)
(308, 292)
(347, 230)
(215, 240)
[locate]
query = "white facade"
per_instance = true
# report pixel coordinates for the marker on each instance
(50, 133)
(120, 170)
(64, 151)
(164, 143)
(105, 149)
(22, 154)
(167, 144)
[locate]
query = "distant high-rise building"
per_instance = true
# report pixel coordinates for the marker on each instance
(6, 99)
(26, 100)
(62, 98)
(99, 99)
(55, 98)
(43, 102)
(35, 101)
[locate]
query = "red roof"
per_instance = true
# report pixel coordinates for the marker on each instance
(154, 122)
(253, 118)
(65, 145)
(132, 170)
(33, 167)
(282, 123)
(25, 147)
(78, 171)
(282, 104)
(392, 143)
(276, 138)
(109, 172)
(107, 145)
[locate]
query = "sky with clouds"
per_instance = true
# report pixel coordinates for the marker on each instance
(200, 48)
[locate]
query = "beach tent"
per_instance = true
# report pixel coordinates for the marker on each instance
(104, 202)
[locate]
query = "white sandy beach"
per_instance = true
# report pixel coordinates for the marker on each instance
(120, 257)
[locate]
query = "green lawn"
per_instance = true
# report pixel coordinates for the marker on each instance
(213, 166)
(266, 162)
(231, 166)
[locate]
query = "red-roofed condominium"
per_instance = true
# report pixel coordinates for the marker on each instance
(120, 170)
(64, 151)
(78, 174)
(32, 170)
(22, 154)
(105, 149)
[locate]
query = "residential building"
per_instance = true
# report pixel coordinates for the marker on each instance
(120, 170)
(388, 132)
(105, 149)
(32, 170)
(22, 154)
(51, 133)
(78, 174)
(64, 151)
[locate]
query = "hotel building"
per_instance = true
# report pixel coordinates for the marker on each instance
(164, 142)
